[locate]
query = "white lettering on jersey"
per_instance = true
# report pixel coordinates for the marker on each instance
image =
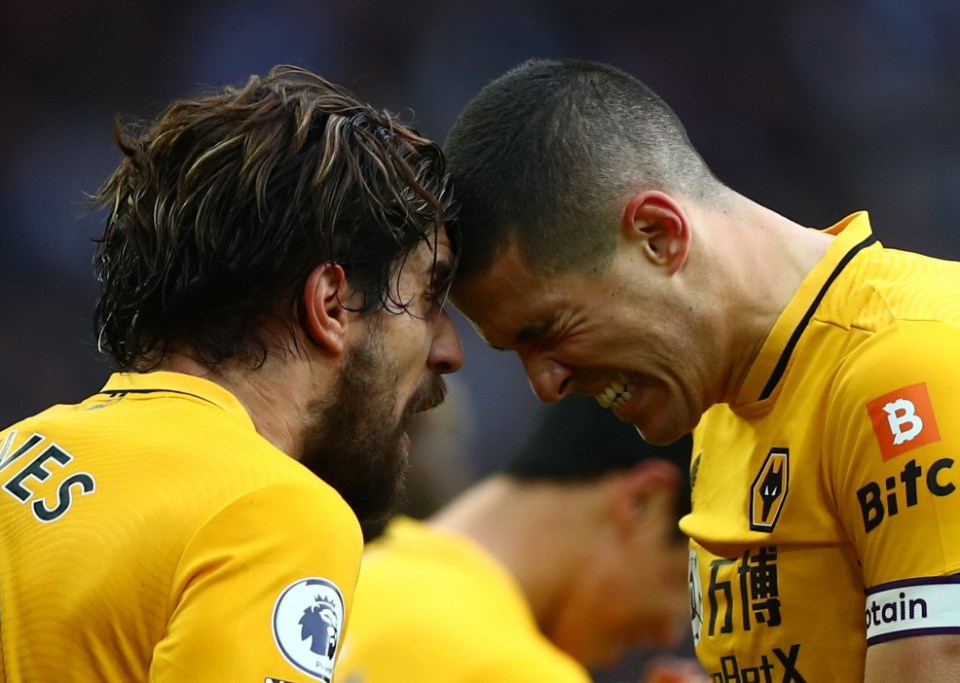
(899, 413)
(913, 607)
(696, 596)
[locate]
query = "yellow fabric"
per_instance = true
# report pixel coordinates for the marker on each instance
(183, 528)
(784, 592)
(433, 607)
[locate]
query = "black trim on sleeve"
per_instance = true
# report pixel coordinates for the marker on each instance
(798, 332)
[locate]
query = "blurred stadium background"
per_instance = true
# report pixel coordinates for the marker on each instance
(814, 107)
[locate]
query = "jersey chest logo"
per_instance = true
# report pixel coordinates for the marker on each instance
(769, 490)
(903, 420)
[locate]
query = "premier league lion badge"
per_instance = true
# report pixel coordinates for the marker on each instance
(307, 623)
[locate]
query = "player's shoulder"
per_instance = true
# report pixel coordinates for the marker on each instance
(176, 448)
(468, 620)
(464, 596)
(903, 352)
(460, 598)
(888, 285)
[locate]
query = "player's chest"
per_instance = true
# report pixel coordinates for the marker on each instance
(774, 586)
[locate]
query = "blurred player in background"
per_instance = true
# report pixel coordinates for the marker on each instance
(820, 370)
(273, 271)
(553, 565)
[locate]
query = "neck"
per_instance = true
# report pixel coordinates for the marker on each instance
(757, 262)
(530, 529)
(276, 395)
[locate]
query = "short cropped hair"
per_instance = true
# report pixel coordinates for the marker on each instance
(578, 441)
(545, 154)
(222, 206)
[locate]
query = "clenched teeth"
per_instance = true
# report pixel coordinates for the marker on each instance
(616, 394)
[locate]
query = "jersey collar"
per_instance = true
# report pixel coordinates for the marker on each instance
(175, 383)
(852, 235)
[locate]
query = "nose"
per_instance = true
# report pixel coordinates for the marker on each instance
(549, 379)
(446, 352)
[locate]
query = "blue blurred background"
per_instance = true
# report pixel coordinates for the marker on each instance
(816, 108)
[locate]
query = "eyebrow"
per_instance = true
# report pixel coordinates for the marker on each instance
(532, 332)
(441, 278)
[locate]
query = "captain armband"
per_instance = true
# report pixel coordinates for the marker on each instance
(913, 607)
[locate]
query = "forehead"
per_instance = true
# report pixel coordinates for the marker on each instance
(435, 250)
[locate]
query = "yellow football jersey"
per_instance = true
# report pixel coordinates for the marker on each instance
(150, 533)
(433, 607)
(825, 515)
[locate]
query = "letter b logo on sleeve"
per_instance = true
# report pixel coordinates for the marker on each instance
(903, 420)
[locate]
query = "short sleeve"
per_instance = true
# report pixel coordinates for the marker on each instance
(891, 443)
(263, 590)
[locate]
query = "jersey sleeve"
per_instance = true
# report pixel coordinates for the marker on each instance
(263, 590)
(891, 440)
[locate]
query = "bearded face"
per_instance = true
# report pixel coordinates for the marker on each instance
(357, 441)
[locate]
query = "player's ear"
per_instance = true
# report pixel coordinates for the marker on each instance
(644, 497)
(661, 226)
(325, 317)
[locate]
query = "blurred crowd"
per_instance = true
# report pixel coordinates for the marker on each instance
(816, 108)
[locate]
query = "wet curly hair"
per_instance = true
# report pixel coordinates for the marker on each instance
(222, 206)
